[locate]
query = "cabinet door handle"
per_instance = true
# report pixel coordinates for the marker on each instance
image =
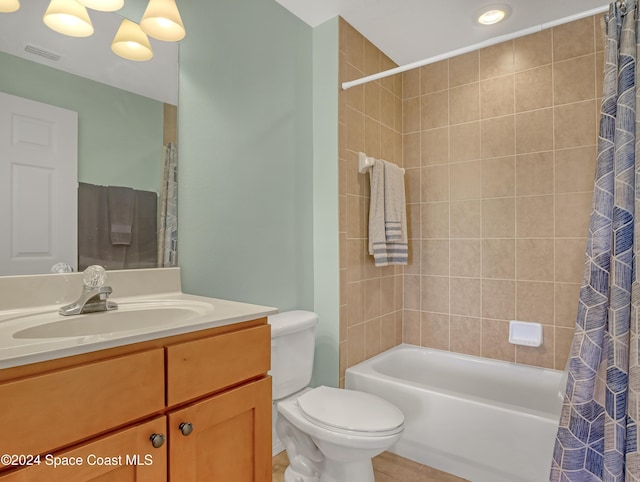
(157, 440)
(186, 428)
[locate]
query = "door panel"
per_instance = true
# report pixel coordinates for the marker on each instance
(38, 186)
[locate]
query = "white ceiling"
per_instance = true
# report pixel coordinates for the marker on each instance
(412, 30)
(405, 30)
(91, 57)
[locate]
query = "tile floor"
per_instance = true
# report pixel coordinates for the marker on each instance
(387, 467)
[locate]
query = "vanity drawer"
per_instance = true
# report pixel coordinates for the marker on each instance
(42, 413)
(193, 368)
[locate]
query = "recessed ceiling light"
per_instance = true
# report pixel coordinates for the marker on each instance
(492, 14)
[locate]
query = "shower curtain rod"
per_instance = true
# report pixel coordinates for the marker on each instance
(471, 48)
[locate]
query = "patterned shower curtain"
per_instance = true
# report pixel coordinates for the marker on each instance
(598, 434)
(168, 229)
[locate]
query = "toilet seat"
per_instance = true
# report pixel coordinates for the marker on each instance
(350, 412)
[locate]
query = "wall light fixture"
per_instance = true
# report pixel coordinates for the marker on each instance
(131, 42)
(161, 20)
(68, 17)
(8, 6)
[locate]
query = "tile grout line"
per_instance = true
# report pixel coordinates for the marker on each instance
(481, 317)
(515, 201)
(553, 127)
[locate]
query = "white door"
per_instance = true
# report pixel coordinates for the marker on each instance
(38, 186)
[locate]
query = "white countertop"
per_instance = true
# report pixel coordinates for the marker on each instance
(17, 349)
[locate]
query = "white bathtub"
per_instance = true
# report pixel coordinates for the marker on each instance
(480, 419)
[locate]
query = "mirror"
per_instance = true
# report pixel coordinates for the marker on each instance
(126, 110)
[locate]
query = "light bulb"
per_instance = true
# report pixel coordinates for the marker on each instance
(491, 17)
(492, 14)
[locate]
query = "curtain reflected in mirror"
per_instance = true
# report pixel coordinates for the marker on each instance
(168, 232)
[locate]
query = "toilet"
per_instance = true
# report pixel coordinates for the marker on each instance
(330, 434)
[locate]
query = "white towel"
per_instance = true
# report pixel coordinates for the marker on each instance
(387, 215)
(395, 212)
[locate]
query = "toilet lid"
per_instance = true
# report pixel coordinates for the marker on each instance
(351, 410)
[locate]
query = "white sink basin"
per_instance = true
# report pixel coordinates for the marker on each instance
(130, 316)
(151, 305)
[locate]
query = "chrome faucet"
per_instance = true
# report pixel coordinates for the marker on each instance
(94, 297)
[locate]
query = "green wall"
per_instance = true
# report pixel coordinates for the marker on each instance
(246, 160)
(325, 202)
(258, 201)
(119, 133)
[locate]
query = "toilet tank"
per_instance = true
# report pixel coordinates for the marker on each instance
(293, 335)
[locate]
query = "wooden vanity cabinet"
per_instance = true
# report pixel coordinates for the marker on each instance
(206, 393)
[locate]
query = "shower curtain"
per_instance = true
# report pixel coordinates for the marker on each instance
(598, 434)
(168, 230)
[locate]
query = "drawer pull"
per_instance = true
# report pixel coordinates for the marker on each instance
(186, 428)
(157, 440)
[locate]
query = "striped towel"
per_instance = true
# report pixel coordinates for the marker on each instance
(387, 215)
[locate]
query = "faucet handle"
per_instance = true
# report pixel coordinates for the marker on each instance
(94, 276)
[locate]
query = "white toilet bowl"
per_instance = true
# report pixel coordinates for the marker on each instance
(332, 434)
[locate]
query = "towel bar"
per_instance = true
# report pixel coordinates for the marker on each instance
(365, 163)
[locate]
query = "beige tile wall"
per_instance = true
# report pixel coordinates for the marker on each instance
(370, 120)
(499, 147)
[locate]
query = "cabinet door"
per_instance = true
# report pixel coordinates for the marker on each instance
(230, 438)
(127, 455)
